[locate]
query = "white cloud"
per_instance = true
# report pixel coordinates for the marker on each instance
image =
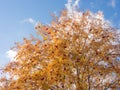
(71, 6)
(69, 1)
(29, 20)
(11, 55)
(68, 6)
(76, 3)
(113, 3)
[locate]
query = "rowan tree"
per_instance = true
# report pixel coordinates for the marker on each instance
(78, 51)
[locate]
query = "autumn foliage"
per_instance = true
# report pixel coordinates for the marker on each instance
(78, 51)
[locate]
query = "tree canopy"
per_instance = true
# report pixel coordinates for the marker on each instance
(78, 51)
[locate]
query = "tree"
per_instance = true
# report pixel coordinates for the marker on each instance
(79, 51)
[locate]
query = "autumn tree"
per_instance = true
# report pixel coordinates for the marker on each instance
(78, 51)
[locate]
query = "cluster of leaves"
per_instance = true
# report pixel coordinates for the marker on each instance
(79, 51)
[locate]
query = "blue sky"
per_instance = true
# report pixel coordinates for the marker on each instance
(17, 17)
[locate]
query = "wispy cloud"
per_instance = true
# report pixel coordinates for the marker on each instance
(71, 5)
(112, 3)
(76, 3)
(29, 20)
(68, 6)
(11, 55)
